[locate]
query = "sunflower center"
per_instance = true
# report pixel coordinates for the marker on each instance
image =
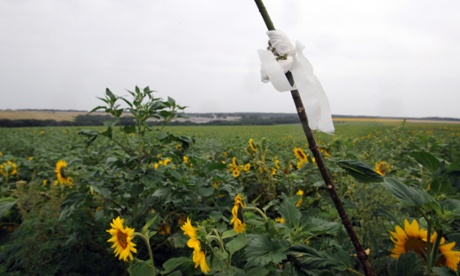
(442, 261)
(416, 245)
(62, 172)
(301, 155)
(122, 239)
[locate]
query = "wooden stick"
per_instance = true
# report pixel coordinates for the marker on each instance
(319, 159)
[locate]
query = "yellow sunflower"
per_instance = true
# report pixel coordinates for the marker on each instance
(382, 167)
(277, 163)
(299, 202)
(414, 238)
(122, 240)
(325, 152)
(449, 257)
(301, 155)
(251, 145)
(238, 224)
(62, 178)
(167, 161)
(235, 172)
(198, 257)
(280, 220)
(8, 168)
(190, 231)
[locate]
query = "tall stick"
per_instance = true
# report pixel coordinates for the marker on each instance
(319, 159)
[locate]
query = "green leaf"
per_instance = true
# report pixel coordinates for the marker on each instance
(215, 166)
(263, 250)
(236, 244)
(174, 263)
(140, 268)
(91, 135)
(110, 123)
(452, 205)
(445, 271)
(6, 203)
(360, 171)
(320, 226)
(206, 192)
(97, 107)
(229, 233)
(221, 254)
(129, 129)
(258, 271)
(110, 95)
(145, 228)
(107, 133)
(290, 213)
(409, 196)
(162, 192)
(440, 185)
(408, 264)
(309, 259)
(427, 160)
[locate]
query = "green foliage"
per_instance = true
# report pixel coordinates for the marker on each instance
(155, 176)
(360, 171)
(409, 264)
(408, 196)
(313, 262)
(263, 250)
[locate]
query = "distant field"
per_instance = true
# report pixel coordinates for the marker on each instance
(70, 116)
(40, 115)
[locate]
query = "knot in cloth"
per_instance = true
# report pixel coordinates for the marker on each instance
(280, 57)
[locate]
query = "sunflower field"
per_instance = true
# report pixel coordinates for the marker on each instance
(230, 200)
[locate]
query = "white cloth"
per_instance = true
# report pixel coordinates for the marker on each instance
(313, 97)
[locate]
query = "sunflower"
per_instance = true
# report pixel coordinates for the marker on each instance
(449, 257)
(238, 224)
(164, 229)
(235, 172)
(198, 257)
(280, 220)
(301, 155)
(60, 173)
(325, 152)
(414, 238)
(382, 167)
(247, 167)
(8, 168)
(299, 202)
(277, 163)
(122, 240)
(251, 145)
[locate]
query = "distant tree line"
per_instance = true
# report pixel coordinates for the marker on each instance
(217, 119)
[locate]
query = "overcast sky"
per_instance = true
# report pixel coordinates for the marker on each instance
(385, 58)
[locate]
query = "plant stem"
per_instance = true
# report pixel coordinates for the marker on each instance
(319, 159)
(257, 210)
(146, 240)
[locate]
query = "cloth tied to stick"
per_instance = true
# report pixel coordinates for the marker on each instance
(281, 57)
